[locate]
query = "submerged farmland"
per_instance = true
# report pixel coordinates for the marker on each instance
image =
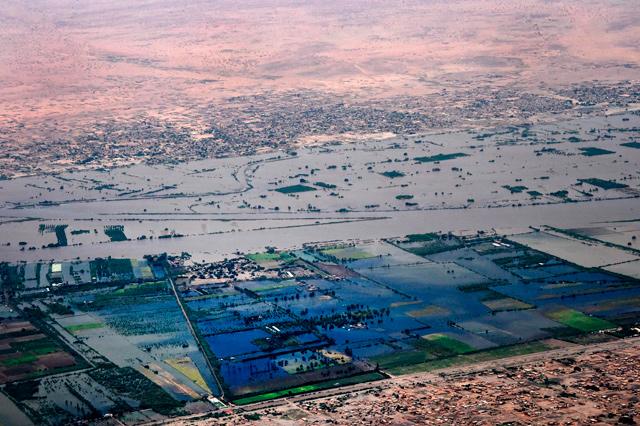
(195, 336)
(359, 311)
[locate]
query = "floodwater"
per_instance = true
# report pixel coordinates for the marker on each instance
(10, 415)
(218, 246)
(512, 177)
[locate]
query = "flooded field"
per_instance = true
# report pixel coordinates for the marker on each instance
(274, 323)
(350, 309)
(505, 177)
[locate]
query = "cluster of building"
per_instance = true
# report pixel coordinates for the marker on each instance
(591, 389)
(245, 125)
(618, 95)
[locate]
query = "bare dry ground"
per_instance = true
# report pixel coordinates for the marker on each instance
(128, 79)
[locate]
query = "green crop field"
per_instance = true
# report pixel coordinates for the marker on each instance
(36, 347)
(579, 321)
(271, 285)
(449, 343)
(471, 358)
(400, 359)
(344, 253)
(363, 378)
(428, 348)
(81, 327)
(270, 257)
(20, 360)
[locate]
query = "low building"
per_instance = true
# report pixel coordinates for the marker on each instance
(55, 273)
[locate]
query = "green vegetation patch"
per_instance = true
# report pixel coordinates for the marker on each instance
(593, 151)
(430, 243)
(604, 184)
(59, 308)
(270, 257)
(392, 174)
(528, 259)
(579, 321)
(433, 247)
(61, 235)
(268, 285)
(22, 391)
(635, 145)
(428, 348)
(115, 232)
(440, 157)
(429, 352)
(471, 358)
(325, 185)
(60, 231)
(430, 236)
(19, 360)
(363, 378)
(142, 289)
(404, 197)
(399, 359)
(294, 189)
(535, 194)
(36, 347)
(515, 189)
(82, 327)
(449, 343)
(101, 268)
(132, 291)
(131, 384)
(274, 342)
(347, 253)
(27, 352)
(472, 288)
